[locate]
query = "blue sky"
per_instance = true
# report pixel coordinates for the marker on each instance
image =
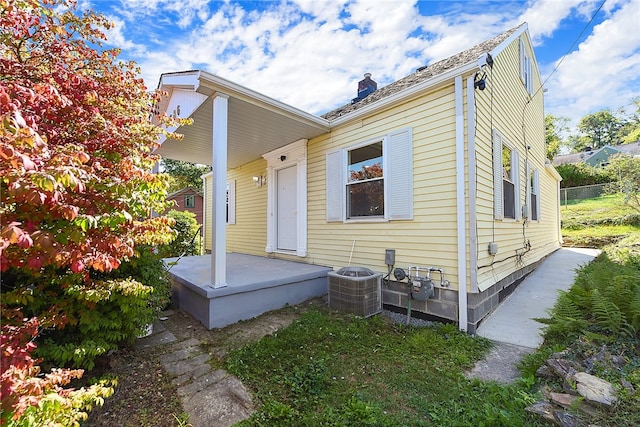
(311, 53)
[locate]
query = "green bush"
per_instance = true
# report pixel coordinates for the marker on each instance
(186, 241)
(577, 175)
(99, 318)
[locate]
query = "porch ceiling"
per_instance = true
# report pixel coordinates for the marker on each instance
(256, 124)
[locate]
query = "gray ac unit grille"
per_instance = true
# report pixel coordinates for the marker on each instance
(361, 296)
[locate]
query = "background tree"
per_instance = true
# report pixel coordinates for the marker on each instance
(599, 129)
(625, 171)
(184, 174)
(75, 191)
(630, 132)
(554, 126)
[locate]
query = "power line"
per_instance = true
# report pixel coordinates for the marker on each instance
(571, 47)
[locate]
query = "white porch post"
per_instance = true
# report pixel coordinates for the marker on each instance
(219, 189)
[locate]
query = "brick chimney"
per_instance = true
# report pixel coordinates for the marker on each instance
(366, 87)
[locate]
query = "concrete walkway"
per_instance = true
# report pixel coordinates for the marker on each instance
(511, 325)
(512, 322)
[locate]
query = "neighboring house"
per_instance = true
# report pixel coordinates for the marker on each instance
(445, 166)
(600, 157)
(188, 200)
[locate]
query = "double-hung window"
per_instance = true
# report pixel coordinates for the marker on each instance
(533, 203)
(190, 201)
(372, 179)
(506, 179)
(508, 185)
(365, 181)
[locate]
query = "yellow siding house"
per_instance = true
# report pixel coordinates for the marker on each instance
(446, 167)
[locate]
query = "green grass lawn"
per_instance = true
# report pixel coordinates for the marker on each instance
(598, 222)
(331, 369)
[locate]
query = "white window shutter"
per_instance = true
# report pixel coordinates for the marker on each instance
(335, 186)
(231, 202)
(498, 211)
(529, 76)
(522, 61)
(399, 174)
(515, 167)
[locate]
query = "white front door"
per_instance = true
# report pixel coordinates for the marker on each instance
(287, 199)
(287, 209)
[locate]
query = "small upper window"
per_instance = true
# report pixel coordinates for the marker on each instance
(189, 201)
(365, 182)
(526, 68)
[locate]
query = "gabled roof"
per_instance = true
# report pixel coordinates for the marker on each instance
(425, 73)
(632, 149)
(572, 158)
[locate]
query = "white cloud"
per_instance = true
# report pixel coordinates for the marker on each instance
(603, 72)
(311, 54)
(116, 37)
(545, 16)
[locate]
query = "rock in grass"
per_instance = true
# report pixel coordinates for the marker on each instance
(569, 401)
(595, 389)
(565, 419)
(562, 367)
(543, 409)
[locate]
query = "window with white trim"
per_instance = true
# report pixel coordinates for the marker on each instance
(526, 68)
(508, 186)
(190, 201)
(534, 195)
(372, 180)
(506, 179)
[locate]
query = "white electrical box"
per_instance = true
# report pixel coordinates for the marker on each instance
(493, 248)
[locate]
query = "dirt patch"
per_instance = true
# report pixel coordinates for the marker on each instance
(145, 395)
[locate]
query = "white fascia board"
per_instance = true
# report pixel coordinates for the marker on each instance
(552, 170)
(181, 80)
(408, 93)
(210, 83)
(513, 37)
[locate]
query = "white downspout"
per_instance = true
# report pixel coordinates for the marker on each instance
(219, 191)
(460, 199)
(471, 173)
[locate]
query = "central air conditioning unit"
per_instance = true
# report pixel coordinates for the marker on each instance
(356, 290)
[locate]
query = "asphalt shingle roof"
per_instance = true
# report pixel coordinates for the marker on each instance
(423, 74)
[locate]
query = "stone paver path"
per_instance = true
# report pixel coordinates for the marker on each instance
(211, 397)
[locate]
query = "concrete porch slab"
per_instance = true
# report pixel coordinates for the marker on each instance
(255, 285)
